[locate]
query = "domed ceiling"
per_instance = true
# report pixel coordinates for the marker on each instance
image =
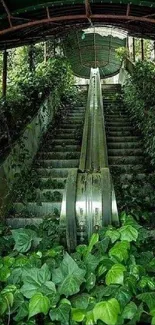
(88, 49)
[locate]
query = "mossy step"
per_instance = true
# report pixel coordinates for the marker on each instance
(23, 222)
(65, 136)
(129, 177)
(60, 148)
(61, 142)
(118, 124)
(115, 119)
(125, 160)
(70, 126)
(41, 209)
(110, 115)
(121, 168)
(52, 183)
(118, 133)
(53, 172)
(58, 155)
(125, 152)
(56, 163)
(124, 145)
(119, 128)
(123, 139)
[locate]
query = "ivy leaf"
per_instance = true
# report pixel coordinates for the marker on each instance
(91, 262)
(113, 234)
(78, 315)
(148, 298)
(115, 275)
(38, 304)
(4, 273)
(23, 239)
(61, 313)
(23, 311)
(93, 240)
(120, 250)
(123, 295)
(37, 280)
(68, 276)
(128, 233)
(81, 301)
(107, 311)
(129, 310)
(90, 281)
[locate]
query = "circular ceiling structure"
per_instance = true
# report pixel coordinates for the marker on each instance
(94, 48)
(26, 21)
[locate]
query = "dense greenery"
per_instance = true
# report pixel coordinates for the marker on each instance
(109, 281)
(27, 89)
(139, 99)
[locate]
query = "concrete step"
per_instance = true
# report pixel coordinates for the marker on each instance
(121, 168)
(54, 163)
(123, 138)
(42, 209)
(125, 160)
(118, 133)
(118, 124)
(124, 145)
(58, 155)
(52, 183)
(62, 142)
(129, 177)
(125, 152)
(63, 148)
(53, 172)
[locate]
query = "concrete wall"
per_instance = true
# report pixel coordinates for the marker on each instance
(24, 151)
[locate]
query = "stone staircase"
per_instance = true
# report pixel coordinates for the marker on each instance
(125, 154)
(59, 152)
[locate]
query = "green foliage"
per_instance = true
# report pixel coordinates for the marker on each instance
(109, 281)
(139, 99)
(27, 90)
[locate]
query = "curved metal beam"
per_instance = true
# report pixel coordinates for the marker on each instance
(100, 17)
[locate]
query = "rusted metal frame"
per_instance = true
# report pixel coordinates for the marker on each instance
(79, 48)
(128, 10)
(8, 12)
(88, 10)
(48, 13)
(76, 17)
(4, 79)
(142, 49)
(134, 52)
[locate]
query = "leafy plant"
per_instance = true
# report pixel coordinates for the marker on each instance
(109, 281)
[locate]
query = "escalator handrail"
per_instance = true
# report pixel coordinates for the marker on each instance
(94, 148)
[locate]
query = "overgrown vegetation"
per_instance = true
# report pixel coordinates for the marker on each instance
(109, 281)
(139, 100)
(27, 89)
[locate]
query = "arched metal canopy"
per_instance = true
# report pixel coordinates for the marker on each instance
(22, 22)
(92, 50)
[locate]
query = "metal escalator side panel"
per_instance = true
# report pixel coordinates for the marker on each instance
(88, 203)
(68, 213)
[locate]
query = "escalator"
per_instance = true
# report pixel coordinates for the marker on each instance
(80, 167)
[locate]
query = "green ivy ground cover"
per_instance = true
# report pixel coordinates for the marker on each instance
(109, 281)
